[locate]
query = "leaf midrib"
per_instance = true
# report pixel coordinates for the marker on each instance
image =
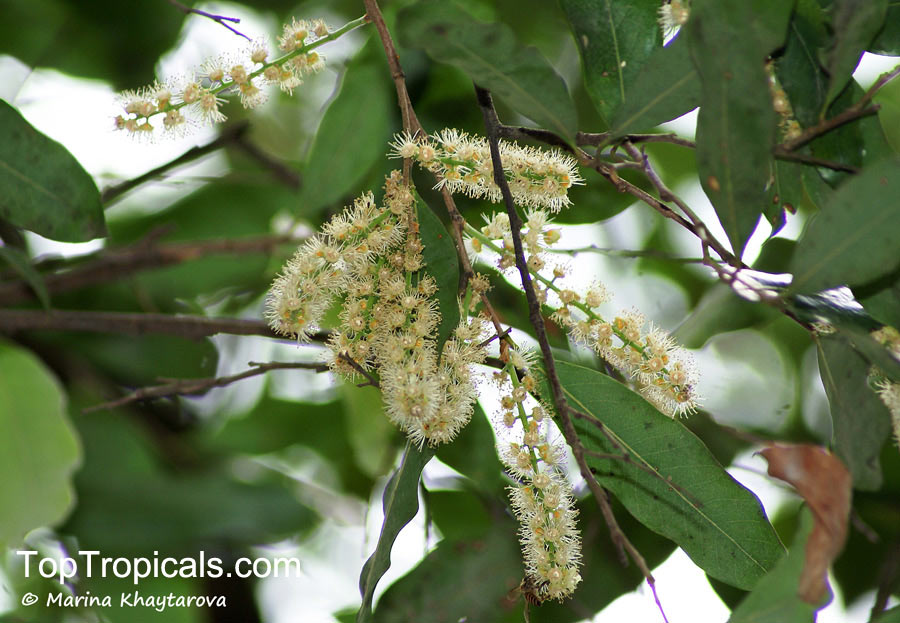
(687, 501)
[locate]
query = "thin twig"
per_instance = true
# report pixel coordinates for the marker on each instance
(412, 125)
(113, 264)
(783, 154)
(619, 539)
(827, 125)
(219, 19)
(370, 380)
(232, 135)
(194, 387)
(190, 327)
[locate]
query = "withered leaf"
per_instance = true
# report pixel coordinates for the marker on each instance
(825, 483)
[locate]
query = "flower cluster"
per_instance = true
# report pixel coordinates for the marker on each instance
(542, 498)
(662, 371)
(536, 178)
(888, 390)
(197, 97)
(673, 14)
(388, 317)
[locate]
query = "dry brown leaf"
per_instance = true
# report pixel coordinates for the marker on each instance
(824, 482)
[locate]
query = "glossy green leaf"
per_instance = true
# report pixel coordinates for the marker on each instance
(888, 98)
(95, 39)
(774, 599)
(39, 450)
(855, 24)
(439, 255)
(45, 189)
(473, 454)
(736, 124)
(666, 87)
(144, 504)
(798, 68)
(462, 579)
(853, 240)
(785, 193)
(21, 263)
(616, 39)
(352, 138)
(490, 55)
(274, 425)
(887, 41)
(888, 616)
(400, 504)
(884, 302)
(719, 524)
(861, 421)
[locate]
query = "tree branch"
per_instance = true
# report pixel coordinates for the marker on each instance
(232, 135)
(190, 327)
(621, 541)
(113, 264)
(195, 387)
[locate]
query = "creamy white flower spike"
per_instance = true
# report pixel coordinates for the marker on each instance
(537, 178)
(195, 99)
(388, 318)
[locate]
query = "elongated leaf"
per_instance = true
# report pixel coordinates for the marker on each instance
(400, 504)
(666, 87)
(38, 447)
(853, 240)
(861, 421)
(351, 138)
(720, 524)
(440, 262)
(616, 39)
(774, 599)
(45, 190)
(736, 125)
(855, 24)
(460, 580)
(21, 263)
(888, 39)
(798, 68)
(490, 55)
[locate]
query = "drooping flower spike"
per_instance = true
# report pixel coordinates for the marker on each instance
(537, 178)
(196, 99)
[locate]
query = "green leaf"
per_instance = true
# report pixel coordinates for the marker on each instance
(774, 598)
(887, 41)
(852, 240)
(462, 579)
(798, 69)
(141, 505)
(719, 524)
(666, 87)
(855, 23)
(39, 450)
(888, 616)
(736, 124)
(351, 138)
(861, 421)
(616, 39)
(21, 263)
(473, 454)
(439, 254)
(785, 193)
(888, 98)
(490, 55)
(884, 303)
(400, 504)
(46, 189)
